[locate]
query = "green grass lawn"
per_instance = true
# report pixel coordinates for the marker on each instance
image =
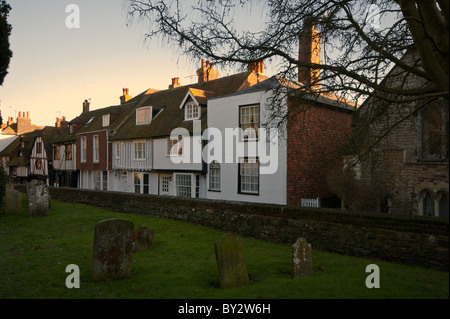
(34, 253)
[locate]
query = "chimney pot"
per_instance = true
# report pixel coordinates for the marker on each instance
(20, 114)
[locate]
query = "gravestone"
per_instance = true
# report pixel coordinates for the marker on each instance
(39, 201)
(13, 202)
(302, 258)
(113, 245)
(143, 239)
(9, 187)
(231, 262)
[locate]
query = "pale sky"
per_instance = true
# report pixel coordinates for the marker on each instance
(54, 68)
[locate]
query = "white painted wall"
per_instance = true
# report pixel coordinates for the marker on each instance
(126, 160)
(162, 161)
(224, 113)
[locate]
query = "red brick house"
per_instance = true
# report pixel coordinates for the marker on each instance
(93, 130)
(316, 132)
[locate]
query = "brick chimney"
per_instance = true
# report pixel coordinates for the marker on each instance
(207, 72)
(24, 123)
(86, 106)
(309, 52)
(63, 122)
(10, 120)
(257, 66)
(125, 97)
(175, 83)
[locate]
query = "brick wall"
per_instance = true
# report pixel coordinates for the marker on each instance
(396, 160)
(103, 152)
(407, 239)
(315, 136)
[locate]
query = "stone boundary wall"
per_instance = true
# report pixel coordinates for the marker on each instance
(413, 240)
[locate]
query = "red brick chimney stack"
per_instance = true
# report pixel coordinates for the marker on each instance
(309, 52)
(24, 123)
(175, 83)
(86, 106)
(207, 72)
(257, 66)
(125, 97)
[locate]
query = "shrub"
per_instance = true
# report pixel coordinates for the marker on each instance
(3, 181)
(356, 194)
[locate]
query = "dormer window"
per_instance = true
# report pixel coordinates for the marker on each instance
(191, 111)
(105, 120)
(143, 115)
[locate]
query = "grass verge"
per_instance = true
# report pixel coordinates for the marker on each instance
(34, 253)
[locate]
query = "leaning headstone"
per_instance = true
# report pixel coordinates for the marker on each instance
(231, 262)
(38, 198)
(302, 258)
(143, 239)
(13, 202)
(113, 245)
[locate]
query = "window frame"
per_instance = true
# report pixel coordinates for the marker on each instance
(68, 154)
(187, 108)
(56, 153)
(436, 201)
(171, 143)
(39, 147)
(145, 121)
(38, 164)
(444, 153)
(192, 184)
(211, 176)
(106, 120)
(243, 136)
(95, 149)
(97, 180)
(247, 192)
(117, 152)
(142, 151)
(83, 149)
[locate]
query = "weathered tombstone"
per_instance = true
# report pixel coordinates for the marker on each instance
(39, 201)
(231, 262)
(9, 187)
(143, 239)
(302, 258)
(13, 202)
(113, 245)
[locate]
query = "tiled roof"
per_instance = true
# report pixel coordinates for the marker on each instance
(171, 116)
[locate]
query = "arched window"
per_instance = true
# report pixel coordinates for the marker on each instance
(430, 205)
(214, 176)
(434, 132)
(427, 204)
(443, 205)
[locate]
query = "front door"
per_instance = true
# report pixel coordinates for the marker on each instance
(165, 184)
